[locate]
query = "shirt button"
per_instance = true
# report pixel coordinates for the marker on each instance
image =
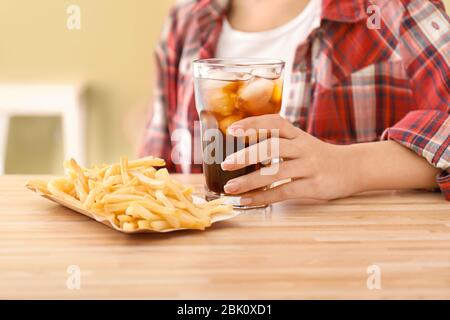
(435, 25)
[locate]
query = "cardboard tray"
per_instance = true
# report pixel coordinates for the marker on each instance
(106, 221)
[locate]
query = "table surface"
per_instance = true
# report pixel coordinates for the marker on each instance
(295, 250)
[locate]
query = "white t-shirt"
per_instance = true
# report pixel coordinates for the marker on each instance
(279, 43)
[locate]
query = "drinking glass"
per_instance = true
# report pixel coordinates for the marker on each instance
(228, 90)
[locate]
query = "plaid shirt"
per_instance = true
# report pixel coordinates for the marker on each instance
(350, 82)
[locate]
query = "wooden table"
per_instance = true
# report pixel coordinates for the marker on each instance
(294, 251)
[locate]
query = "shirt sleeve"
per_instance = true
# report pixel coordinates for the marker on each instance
(156, 140)
(424, 46)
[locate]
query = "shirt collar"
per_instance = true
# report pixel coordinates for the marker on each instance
(349, 11)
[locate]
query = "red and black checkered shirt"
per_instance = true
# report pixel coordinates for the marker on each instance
(350, 82)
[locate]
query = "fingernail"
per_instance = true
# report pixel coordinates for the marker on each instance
(233, 128)
(227, 162)
(245, 201)
(231, 186)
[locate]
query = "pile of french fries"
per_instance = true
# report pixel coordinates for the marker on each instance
(133, 195)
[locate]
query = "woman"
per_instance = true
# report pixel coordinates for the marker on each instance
(367, 91)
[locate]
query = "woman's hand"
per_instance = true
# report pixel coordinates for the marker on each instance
(317, 170)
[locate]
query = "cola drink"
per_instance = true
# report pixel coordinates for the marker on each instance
(228, 91)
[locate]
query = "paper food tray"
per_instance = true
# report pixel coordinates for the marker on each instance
(106, 221)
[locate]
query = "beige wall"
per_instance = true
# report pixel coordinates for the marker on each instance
(112, 54)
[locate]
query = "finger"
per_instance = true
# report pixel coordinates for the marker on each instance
(263, 151)
(301, 188)
(266, 176)
(270, 122)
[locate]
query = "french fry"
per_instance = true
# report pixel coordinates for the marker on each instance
(115, 198)
(138, 211)
(124, 190)
(144, 224)
(124, 169)
(111, 180)
(172, 219)
(91, 184)
(125, 218)
(132, 195)
(58, 186)
(152, 183)
(129, 226)
(117, 208)
(133, 182)
(90, 199)
(177, 203)
(81, 177)
(147, 162)
(190, 222)
(197, 212)
(153, 206)
(81, 192)
(114, 169)
(159, 225)
(150, 172)
(163, 199)
(99, 209)
(38, 185)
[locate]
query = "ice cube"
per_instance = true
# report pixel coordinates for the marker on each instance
(265, 73)
(277, 93)
(220, 101)
(243, 76)
(256, 95)
(227, 86)
(222, 75)
(208, 84)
